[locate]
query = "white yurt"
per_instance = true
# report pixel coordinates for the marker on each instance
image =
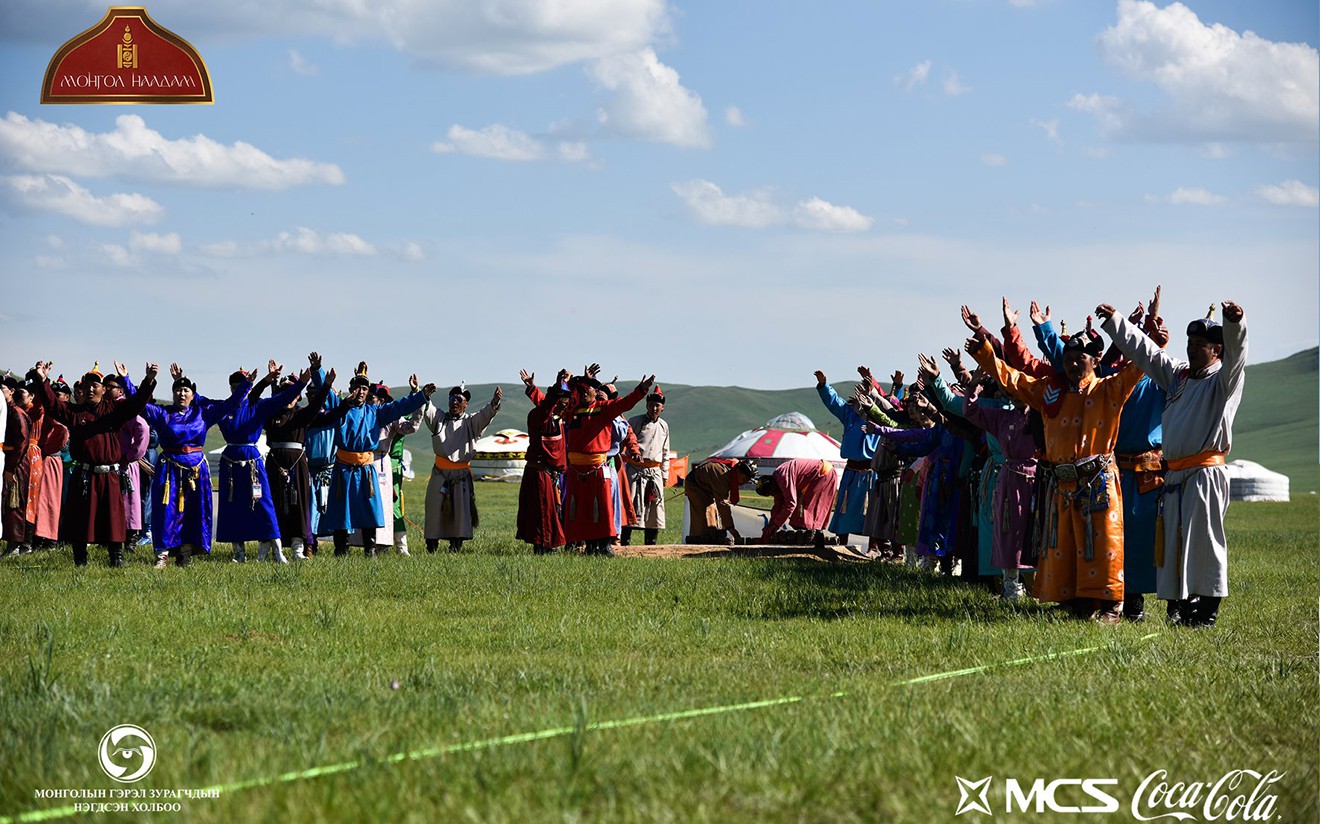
(1249, 481)
(782, 438)
(501, 457)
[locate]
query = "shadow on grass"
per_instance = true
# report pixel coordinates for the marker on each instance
(828, 592)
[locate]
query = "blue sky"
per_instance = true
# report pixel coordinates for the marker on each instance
(719, 193)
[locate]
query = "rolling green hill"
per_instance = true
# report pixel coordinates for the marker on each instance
(1278, 424)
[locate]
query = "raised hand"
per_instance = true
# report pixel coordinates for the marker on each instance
(592, 370)
(43, 369)
(152, 371)
(1155, 303)
(929, 368)
(897, 378)
(645, 385)
(305, 376)
(412, 382)
(120, 369)
(563, 376)
(499, 394)
(970, 346)
(329, 377)
(176, 371)
(954, 358)
(428, 390)
(1232, 312)
(865, 372)
(820, 378)
(1010, 315)
(273, 369)
(1104, 311)
(1137, 314)
(314, 360)
(970, 318)
(1037, 316)
(528, 378)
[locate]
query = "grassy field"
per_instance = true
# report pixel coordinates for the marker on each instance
(257, 673)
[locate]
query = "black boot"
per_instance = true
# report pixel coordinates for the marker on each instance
(652, 536)
(80, 555)
(184, 556)
(369, 543)
(1134, 608)
(1206, 612)
(432, 544)
(116, 555)
(455, 544)
(341, 543)
(625, 539)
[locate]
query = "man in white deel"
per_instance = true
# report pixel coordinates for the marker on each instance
(649, 473)
(451, 508)
(1191, 550)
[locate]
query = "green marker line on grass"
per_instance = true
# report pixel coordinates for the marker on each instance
(556, 732)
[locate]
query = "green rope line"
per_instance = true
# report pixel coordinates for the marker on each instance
(556, 732)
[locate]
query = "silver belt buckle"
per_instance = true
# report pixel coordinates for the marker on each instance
(1066, 472)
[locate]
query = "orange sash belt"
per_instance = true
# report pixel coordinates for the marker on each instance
(1140, 462)
(586, 459)
(441, 462)
(343, 456)
(1210, 457)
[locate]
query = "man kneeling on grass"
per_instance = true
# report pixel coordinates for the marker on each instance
(715, 484)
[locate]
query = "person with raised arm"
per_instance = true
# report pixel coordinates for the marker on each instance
(93, 507)
(1204, 392)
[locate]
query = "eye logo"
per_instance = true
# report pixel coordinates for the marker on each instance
(127, 753)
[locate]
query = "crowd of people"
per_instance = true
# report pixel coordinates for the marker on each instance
(1088, 477)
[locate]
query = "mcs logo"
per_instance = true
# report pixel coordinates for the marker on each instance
(1044, 796)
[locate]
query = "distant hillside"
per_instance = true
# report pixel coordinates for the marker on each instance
(1278, 424)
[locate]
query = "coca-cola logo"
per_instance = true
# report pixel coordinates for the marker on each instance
(1239, 795)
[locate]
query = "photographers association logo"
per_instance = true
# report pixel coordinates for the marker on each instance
(127, 753)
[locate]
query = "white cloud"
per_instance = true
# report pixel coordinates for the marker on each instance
(1290, 193)
(300, 241)
(494, 141)
(754, 210)
(413, 251)
(134, 151)
(1050, 128)
(817, 214)
(1185, 196)
(54, 241)
(913, 77)
(118, 255)
(954, 86)
(649, 102)
(757, 209)
(300, 65)
(734, 117)
(992, 159)
(500, 142)
(158, 244)
(1221, 85)
(59, 194)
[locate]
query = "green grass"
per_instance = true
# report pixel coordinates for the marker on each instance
(243, 672)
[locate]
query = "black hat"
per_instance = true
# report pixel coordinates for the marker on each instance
(765, 485)
(108, 380)
(458, 390)
(91, 377)
(657, 395)
(359, 380)
(1090, 344)
(1208, 329)
(747, 466)
(185, 383)
(11, 381)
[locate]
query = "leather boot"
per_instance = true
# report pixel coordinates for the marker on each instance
(432, 544)
(1134, 607)
(1108, 612)
(80, 555)
(185, 555)
(116, 555)
(1206, 612)
(240, 553)
(651, 536)
(341, 543)
(625, 537)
